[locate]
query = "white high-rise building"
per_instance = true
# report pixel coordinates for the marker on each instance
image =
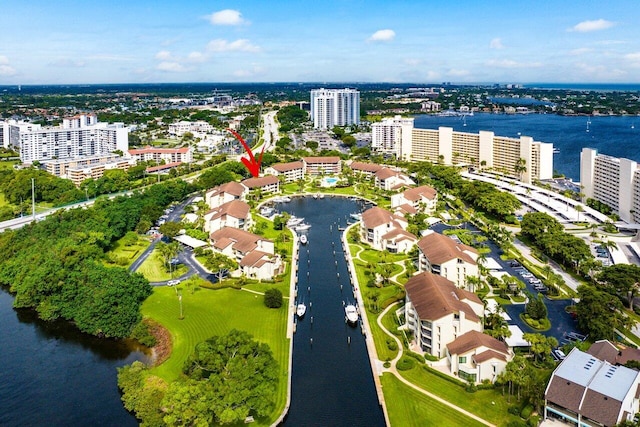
(521, 158)
(335, 107)
(78, 136)
(387, 136)
(613, 181)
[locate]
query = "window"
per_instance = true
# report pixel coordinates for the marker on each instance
(462, 359)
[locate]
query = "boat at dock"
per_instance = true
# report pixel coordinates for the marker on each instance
(302, 227)
(303, 239)
(293, 221)
(356, 216)
(301, 309)
(351, 313)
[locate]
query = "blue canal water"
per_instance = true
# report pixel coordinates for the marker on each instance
(617, 136)
(54, 375)
(332, 381)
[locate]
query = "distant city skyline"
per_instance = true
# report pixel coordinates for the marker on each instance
(73, 42)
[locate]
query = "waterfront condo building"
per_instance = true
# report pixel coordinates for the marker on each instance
(156, 154)
(387, 135)
(438, 312)
(335, 107)
(613, 181)
(77, 136)
(521, 158)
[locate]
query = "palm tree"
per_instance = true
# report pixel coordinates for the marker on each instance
(579, 209)
(547, 270)
(520, 167)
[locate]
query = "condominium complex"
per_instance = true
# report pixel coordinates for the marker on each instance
(335, 107)
(522, 158)
(613, 181)
(387, 135)
(81, 168)
(77, 136)
(169, 155)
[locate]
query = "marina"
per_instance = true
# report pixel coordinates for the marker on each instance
(329, 356)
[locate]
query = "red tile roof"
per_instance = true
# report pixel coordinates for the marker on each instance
(260, 182)
(434, 297)
(439, 249)
(285, 167)
(417, 193)
(163, 167)
(474, 339)
(375, 216)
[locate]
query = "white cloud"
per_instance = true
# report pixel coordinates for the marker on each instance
(253, 72)
(164, 55)
(173, 67)
(240, 45)
(382, 36)
(196, 57)
(496, 43)
(111, 58)
(588, 26)
(227, 17)
(67, 62)
(633, 59)
(7, 70)
(412, 62)
(458, 73)
(508, 63)
(604, 72)
(580, 51)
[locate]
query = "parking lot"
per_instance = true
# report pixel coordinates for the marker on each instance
(561, 322)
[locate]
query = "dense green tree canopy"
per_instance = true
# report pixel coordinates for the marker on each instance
(599, 313)
(56, 266)
(229, 378)
(622, 280)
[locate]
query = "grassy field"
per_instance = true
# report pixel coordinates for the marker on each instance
(208, 313)
(154, 271)
(130, 253)
(490, 404)
(8, 164)
(3, 201)
(407, 407)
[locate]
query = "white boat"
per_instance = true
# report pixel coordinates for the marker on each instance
(356, 216)
(267, 211)
(351, 312)
(301, 309)
(285, 199)
(303, 239)
(315, 196)
(302, 227)
(293, 221)
(321, 196)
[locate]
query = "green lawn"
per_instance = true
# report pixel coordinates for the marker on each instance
(153, 269)
(408, 407)
(490, 404)
(208, 313)
(130, 253)
(8, 164)
(3, 201)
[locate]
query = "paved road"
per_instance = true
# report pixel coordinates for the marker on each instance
(185, 256)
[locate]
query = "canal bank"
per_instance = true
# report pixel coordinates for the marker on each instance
(332, 380)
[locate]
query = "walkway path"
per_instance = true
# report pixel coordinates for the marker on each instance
(393, 370)
(375, 361)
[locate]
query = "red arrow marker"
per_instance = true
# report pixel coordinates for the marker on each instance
(250, 163)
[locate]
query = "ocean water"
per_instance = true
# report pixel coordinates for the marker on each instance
(617, 136)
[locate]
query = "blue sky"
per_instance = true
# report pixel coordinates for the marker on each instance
(65, 41)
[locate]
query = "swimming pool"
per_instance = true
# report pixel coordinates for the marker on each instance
(329, 181)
